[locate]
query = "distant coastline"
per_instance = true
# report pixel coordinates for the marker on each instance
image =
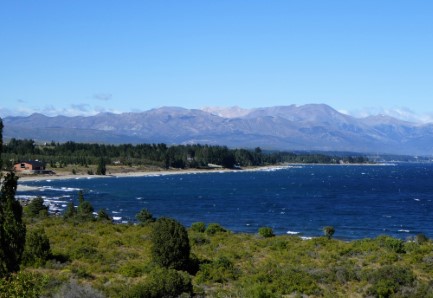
(142, 173)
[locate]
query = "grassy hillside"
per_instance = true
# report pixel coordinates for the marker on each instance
(114, 260)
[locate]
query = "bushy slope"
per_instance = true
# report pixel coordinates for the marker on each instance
(113, 259)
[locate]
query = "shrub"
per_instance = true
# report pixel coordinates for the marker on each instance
(214, 228)
(37, 207)
(388, 280)
(220, 270)
(199, 240)
(266, 232)
(170, 244)
(103, 215)
(329, 231)
(393, 244)
(421, 239)
(23, 284)
(199, 227)
(163, 283)
(37, 249)
(144, 216)
(70, 211)
(85, 209)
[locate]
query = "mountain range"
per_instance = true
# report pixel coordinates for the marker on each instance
(313, 127)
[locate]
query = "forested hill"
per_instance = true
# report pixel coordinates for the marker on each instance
(161, 155)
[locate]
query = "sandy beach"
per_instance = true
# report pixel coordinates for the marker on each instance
(67, 176)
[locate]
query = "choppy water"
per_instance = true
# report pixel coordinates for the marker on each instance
(359, 201)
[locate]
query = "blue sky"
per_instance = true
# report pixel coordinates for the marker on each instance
(86, 56)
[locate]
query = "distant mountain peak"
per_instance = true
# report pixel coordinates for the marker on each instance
(292, 127)
(227, 112)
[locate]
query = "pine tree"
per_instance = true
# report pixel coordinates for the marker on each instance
(1, 143)
(70, 211)
(101, 170)
(12, 228)
(85, 209)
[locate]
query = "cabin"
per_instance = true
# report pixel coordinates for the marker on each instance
(30, 166)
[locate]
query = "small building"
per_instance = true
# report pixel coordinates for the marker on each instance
(30, 166)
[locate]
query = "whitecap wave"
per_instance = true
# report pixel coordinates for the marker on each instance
(292, 232)
(306, 238)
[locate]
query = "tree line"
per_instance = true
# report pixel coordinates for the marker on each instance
(162, 155)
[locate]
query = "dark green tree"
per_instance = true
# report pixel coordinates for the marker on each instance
(170, 244)
(163, 283)
(37, 207)
(37, 249)
(266, 232)
(103, 215)
(199, 227)
(12, 228)
(1, 143)
(84, 209)
(70, 211)
(101, 169)
(144, 216)
(80, 197)
(329, 231)
(214, 228)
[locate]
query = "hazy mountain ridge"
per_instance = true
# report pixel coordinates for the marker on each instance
(307, 127)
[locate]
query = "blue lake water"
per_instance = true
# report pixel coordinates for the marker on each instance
(359, 201)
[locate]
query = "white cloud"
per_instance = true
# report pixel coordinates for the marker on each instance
(401, 113)
(103, 96)
(81, 109)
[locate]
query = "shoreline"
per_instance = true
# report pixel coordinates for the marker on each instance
(141, 173)
(67, 176)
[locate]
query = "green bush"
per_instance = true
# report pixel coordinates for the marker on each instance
(199, 227)
(85, 211)
(86, 251)
(103, 215)
(329, 231)
(266, 232)
(132, 270)
(421, 239)
(393, 244)
(214, 228)
(170, 244)
(37, 249)
(199, 240)
(285, 281)
(388, 280)
(70, 211)
(162, 283)
(23, 284)
(220, 270)
(36, 207)
(144, 216)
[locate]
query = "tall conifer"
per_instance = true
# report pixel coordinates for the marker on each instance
(12, 228)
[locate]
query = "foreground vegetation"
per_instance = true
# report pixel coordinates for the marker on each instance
(100, 259)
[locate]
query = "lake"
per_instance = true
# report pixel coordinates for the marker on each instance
(358, 200)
